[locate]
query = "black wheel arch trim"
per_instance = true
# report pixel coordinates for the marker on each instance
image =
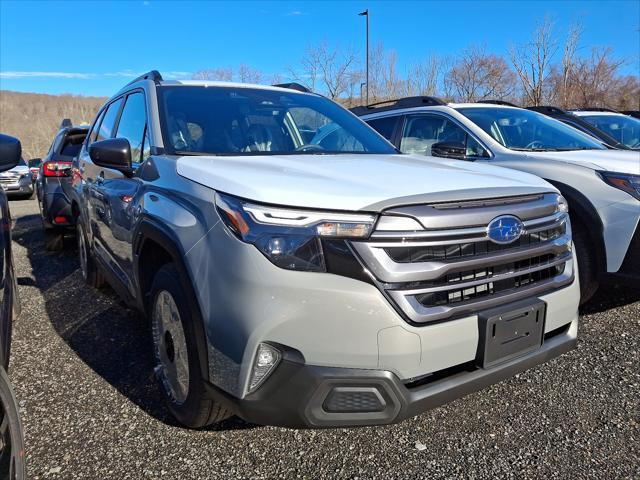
(581, 207)
(151, 229)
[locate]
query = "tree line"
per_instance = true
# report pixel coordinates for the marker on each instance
(546, 70)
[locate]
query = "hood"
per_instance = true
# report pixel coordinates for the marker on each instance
(16, 171)
(357, 181)
(623, 161)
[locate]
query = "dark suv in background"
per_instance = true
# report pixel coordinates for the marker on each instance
(55, 170)
(581, 124)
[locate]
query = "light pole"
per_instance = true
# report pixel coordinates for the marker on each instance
(366, 14)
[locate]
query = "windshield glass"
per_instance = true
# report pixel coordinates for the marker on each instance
(252, 121)
(520, 129)
(621, 127)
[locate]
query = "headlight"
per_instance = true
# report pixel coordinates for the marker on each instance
(290, 238)
(624, 181)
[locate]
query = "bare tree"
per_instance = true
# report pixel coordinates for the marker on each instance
(596, 78)
(218, 74)
(477, 75)
(329, 68)
(569, 63)
(423, 78)
(532, 62)
(246, 74)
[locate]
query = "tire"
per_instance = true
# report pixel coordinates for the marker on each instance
(176, 353)
(53, 240)
(587, 266)
(88, 268)
(11, 439)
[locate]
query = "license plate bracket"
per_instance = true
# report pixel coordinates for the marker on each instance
(509, 331)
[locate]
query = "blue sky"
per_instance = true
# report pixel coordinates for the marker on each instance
(93, 48)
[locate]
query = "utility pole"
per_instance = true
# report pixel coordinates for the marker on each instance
(366, 14)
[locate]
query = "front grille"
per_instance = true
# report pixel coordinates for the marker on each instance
(442, 273)
(469, 249)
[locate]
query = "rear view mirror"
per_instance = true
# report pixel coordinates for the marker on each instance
(10, 151)
(114, 153)
(449, 150)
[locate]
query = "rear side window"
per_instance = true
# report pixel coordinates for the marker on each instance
(132, 124)
(96, 127)
(384, 126)
(109, 120)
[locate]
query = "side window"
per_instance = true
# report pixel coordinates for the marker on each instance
(384, 126)
(109, 120)
(421, 132)
(146, 146)
(132, 124)
(94, 131)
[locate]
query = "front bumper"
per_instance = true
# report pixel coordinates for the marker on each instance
(22, 186)
(298, 395)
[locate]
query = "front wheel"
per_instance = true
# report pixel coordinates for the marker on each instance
(176, 353)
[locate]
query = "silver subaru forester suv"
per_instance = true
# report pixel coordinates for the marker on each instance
(297, 270)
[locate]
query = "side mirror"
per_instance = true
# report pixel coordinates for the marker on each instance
(112, 153)
(449, 150)
(10, 152)
(34, 163)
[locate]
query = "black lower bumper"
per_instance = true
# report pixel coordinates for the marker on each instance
(307, 396)
(56, 211)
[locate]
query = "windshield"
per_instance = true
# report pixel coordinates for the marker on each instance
(621, 127)
(520, 129)
(252, 121)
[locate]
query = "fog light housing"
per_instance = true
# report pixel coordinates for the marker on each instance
(266, 359)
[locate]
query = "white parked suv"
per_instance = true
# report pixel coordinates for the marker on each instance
(602, 186)
(624, 128)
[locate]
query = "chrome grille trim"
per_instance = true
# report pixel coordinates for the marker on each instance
(560, 259)
(386, 270)
(460, 270)
(473, 234)
(418, 313)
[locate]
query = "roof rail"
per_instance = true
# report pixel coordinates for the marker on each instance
(406, 102)
(293, 86)
(152, 75)
(594, 109)
(546, 109)
(499, 102)
(66, 123)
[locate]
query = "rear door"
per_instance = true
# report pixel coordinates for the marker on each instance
(93, 176)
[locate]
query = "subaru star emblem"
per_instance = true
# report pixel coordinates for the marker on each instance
(505, 229)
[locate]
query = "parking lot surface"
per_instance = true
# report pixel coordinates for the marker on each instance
(81, 367)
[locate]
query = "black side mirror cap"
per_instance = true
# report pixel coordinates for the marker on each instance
(10, 152)
(114, 153)
(449, 150)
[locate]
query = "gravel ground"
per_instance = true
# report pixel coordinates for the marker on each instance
(81, 369)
